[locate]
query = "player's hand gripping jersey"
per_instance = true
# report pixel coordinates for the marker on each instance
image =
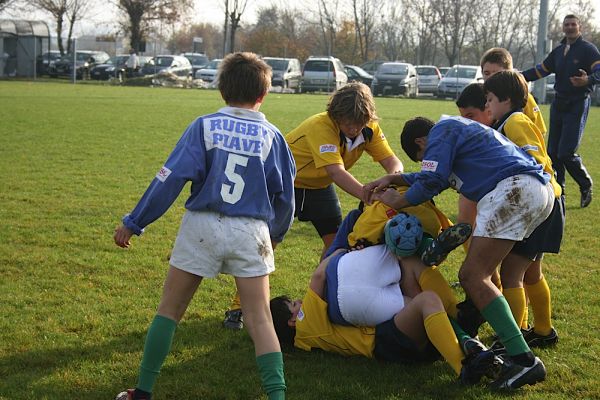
(239, 165)
(368, 229)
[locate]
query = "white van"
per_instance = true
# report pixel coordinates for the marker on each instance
(323, 73)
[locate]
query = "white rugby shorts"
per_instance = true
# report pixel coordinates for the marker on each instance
(209, 243)
(516, 206)
(368, 286)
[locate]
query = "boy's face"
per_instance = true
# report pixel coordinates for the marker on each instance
(351, 129)
(490, 69)
(294, 307)
(497, 108)
(482, 116)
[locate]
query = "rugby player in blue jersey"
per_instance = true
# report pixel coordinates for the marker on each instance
(241, 203)
(513, 197)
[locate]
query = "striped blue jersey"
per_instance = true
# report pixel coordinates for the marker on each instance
(566, 61)
(239, 165)
(469, 157)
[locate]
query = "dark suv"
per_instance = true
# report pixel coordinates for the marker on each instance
(395, 78)
(84, 61)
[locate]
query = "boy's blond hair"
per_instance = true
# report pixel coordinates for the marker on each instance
(243, 78)
(352, 103)
(499, 56)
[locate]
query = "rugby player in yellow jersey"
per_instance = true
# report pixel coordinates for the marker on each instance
(506, 93)
(325, 147)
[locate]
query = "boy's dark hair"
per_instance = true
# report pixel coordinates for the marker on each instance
(243, 78)
(497, 55)
(281, 314)
(472, 96)
(508, 85)
(413, 129)
(352, 102)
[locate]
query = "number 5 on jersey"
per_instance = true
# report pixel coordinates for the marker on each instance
(233, 193)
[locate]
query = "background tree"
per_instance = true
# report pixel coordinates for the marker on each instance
(4, 4)
(237, 8)
(57, 9)
(365, 23)
(140, 14)
(76, 10)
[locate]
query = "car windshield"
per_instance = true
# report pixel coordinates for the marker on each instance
(393, 69)
(214, 64)
(163, 61)
(278, 65)
(197, 60)
(426, 71)
(319, 66)
(468, 73)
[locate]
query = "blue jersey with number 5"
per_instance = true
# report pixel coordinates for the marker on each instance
(239, 165)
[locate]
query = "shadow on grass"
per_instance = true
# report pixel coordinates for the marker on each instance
(210, 363)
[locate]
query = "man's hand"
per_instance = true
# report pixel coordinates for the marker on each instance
(580, 80)
(122, 236)
(391, 198)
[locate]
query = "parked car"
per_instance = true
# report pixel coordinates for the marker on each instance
(358, 74)
(550, 79)
(443, 70)
(177, 65)
(43, 61)
(198, 61)
(286, 72)
(113, 68)
(85, 60)
(323, 73)
(395, 78)
(429, 77)
(209, 72)
(457, 78)
(370, 67)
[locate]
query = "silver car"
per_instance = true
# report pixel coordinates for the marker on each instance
(323, 73)
(457, 78)
(429, 77)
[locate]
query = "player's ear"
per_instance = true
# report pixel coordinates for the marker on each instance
(421, 142)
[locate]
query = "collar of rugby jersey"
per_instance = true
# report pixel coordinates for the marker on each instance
(243, 113)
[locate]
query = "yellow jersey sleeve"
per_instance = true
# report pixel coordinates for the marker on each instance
(532, 110)
(368, 229)
(315, 331)
(525, 134)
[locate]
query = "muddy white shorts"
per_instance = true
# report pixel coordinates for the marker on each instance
(369, 286)
(210, 243)
(515, 207)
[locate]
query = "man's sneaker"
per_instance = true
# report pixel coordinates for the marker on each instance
(447, 241)
(234, 320)
(513, 376)
(478, 362)
(468, 317)
(536, 340)
(586, 197)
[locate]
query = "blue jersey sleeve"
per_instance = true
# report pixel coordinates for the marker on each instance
(183, 165)
(280, 182)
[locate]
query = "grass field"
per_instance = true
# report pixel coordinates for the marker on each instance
(75, 308)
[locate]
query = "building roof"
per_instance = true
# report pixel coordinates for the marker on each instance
(15, 27)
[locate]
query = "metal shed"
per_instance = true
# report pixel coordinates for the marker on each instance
(20, 44)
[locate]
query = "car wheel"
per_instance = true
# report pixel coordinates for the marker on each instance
(415, 92)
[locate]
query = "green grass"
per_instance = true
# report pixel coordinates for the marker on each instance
(75, 308)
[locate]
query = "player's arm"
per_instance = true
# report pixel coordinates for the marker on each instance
(541, 70)
(345, 180)
(280, 181)
(181, 167)
(381, 184)
(392, 165)
(318, 278)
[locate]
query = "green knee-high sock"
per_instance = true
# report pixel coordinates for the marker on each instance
(497, 313)
(157, 346)
(270, 367)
